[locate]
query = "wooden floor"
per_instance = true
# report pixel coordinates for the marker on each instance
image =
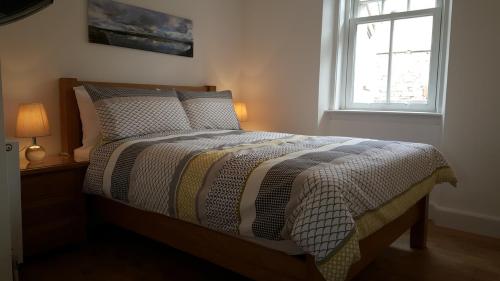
(114, 254)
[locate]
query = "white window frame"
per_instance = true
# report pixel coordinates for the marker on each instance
(344, 74)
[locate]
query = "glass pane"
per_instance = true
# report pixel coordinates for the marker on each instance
(366, 8)
(369, 8)
(395, 6)
(371, 62)
(411, 56)
(422, 4)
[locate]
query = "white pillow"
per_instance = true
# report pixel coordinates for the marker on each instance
(88, 116)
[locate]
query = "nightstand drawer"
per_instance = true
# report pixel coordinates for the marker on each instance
(55, 185)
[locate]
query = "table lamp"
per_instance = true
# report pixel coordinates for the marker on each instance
(32, 122)
(241, 111)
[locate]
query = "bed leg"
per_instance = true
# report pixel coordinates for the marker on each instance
(314, 274)
(418, 232)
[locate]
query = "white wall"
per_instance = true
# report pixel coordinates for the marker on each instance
(40, 49)
(281, 59)
(471, 132)
(285, 92)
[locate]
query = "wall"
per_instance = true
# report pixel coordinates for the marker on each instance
(40, 49)
(285, 91)
(471, 132)
(281, 59)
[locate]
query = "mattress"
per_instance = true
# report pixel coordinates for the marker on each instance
(317, 195)
(82, 154)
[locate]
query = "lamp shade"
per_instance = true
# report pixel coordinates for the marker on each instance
(241, 111)
(32, 121)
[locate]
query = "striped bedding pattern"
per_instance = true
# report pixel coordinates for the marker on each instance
(322, 194)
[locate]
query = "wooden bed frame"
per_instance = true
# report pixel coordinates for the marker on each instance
(247, 258)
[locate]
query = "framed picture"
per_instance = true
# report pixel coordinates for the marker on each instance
(118, 24)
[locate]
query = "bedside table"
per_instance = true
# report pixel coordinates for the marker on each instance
(53, 205)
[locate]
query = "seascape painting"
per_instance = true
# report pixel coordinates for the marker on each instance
(118, 24)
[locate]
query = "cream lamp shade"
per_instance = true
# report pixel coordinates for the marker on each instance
(32, 121)
(241, 111)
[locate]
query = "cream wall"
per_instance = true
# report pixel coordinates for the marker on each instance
(285, 91)
(281, 59)
(471, 132)
(38, 50)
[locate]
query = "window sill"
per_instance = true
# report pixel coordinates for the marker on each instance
(394, 113)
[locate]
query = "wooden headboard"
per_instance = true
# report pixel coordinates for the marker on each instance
(71, 126)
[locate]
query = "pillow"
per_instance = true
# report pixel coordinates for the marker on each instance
(127, 112)
(89, 118)
(210, 110)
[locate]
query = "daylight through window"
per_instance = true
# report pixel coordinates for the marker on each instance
(392, 56)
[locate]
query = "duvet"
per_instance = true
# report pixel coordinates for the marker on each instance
(321, 194)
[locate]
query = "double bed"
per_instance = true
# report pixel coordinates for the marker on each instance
(270, 206)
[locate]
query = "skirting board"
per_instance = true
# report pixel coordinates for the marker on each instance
(465, 221)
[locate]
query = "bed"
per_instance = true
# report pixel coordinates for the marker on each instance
(233, 233)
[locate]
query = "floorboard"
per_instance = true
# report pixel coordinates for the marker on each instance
(115, 254)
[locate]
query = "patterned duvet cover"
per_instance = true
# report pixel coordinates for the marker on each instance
(321, 194)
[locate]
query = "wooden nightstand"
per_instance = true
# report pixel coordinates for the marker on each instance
(53, 205)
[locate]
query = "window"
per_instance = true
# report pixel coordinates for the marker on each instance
(392, 57)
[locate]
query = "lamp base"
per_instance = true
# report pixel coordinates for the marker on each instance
(35, 153)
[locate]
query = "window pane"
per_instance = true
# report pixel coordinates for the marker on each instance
(411, 60)
(371, 62)
(395, 6)
(366, 8)
(422, 4)
(412, 34)
(369, 8)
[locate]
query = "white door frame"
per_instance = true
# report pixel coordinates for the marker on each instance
(5, 232)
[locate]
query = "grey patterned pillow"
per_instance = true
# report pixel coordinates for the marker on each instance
(127, 112)
(210, 110)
